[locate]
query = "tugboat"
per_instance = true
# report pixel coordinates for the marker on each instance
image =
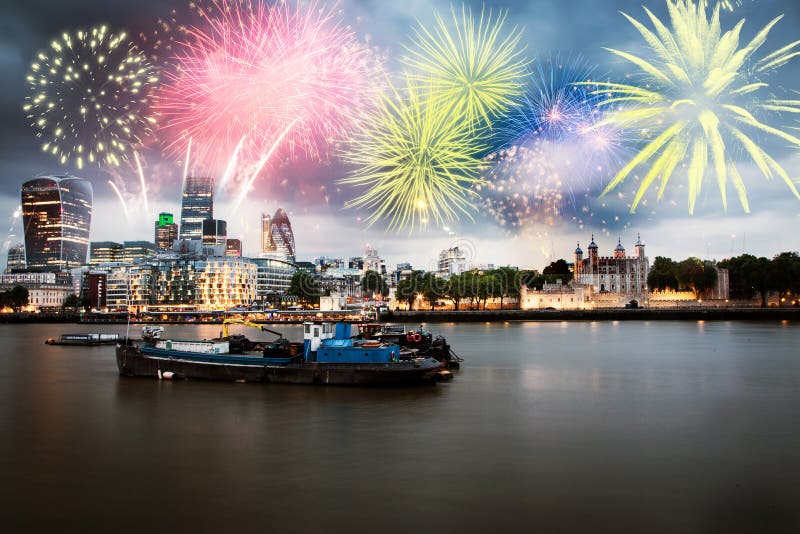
(329, 354)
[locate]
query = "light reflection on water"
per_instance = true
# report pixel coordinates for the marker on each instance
(647, 426)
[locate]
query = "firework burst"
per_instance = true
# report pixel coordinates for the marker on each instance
(555, 154)
(89, 97)
(469, 66)
(250, 70)
(416, 160)
(697, 101)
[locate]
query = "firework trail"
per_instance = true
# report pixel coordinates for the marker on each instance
(416, 160)
(468, 66)
(698, 101)
(265, 158)
(142, 182)
(251, 69)
(121, 200)
(89, 97)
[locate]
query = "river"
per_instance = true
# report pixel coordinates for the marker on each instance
(549, 427)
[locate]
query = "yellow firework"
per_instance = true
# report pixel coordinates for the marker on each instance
(698, 100)
(416, 161)
(89, 97)
(471, 65)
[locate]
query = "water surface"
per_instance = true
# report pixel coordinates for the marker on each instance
(549, 427)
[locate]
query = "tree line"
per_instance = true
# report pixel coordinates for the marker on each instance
(692, 274)
(15, 298)
(751, 276)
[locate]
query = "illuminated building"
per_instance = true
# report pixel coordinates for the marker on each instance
(57, 216)
(233, 248)
(373, 262)
(176, 282)
(274, 276)
(618, 273)
(215, 232)
(137, 251)
(281, 236)
(224, 283)
(451, 261)
(16, 258)
(166, 232)
(105, 252)
(197, 205)
(267, 246)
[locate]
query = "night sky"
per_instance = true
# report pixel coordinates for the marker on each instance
(322, 227)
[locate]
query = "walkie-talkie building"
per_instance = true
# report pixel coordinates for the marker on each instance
(197, 206)
(57, 217)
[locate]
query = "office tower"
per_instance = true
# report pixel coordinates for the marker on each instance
(57, 217)
(166, 232)
(138, 251)
(105, 252)
(16, 258)
(281, 236)
(197, 205)
(215, 232)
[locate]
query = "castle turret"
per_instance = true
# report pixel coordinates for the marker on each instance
(619, 250)
(639, 247)
(578, 262)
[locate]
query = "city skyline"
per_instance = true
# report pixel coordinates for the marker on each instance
(309, 193)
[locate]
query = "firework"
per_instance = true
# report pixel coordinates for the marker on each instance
(89, 97)
(471, 67)
(252, 69)
(122, 201)
(699, 129)
(416, 160)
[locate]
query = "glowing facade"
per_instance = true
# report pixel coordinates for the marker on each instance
(57, 216)
(166, 232)
(197, 205)
(224, 283)
(266, 237)
(281, 236)
(618, 273)
(16, 258)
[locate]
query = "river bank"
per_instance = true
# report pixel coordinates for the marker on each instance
(615, 314)
(416, 316)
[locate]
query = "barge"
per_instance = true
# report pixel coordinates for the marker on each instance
(329, 354)
(85, 339)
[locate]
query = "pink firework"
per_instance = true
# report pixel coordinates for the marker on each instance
(251, 74)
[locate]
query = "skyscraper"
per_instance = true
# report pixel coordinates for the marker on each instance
(215, 232)
(267, 245)
(197, 205)
(16, 258)
(166, 232)
(57, 217)
(281, 236)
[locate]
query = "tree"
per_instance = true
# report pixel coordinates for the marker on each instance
(455, 290)
(785, 274)
(694, 274)
(749, 276)
(72, 302)
(663, 274)
(18, 297)
(559, 269)
(373, 283)
(508, 283)
(433, 288)
(305, 288)
(408, 288)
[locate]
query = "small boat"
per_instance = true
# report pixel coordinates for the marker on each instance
(84, 339)
(329, 354)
